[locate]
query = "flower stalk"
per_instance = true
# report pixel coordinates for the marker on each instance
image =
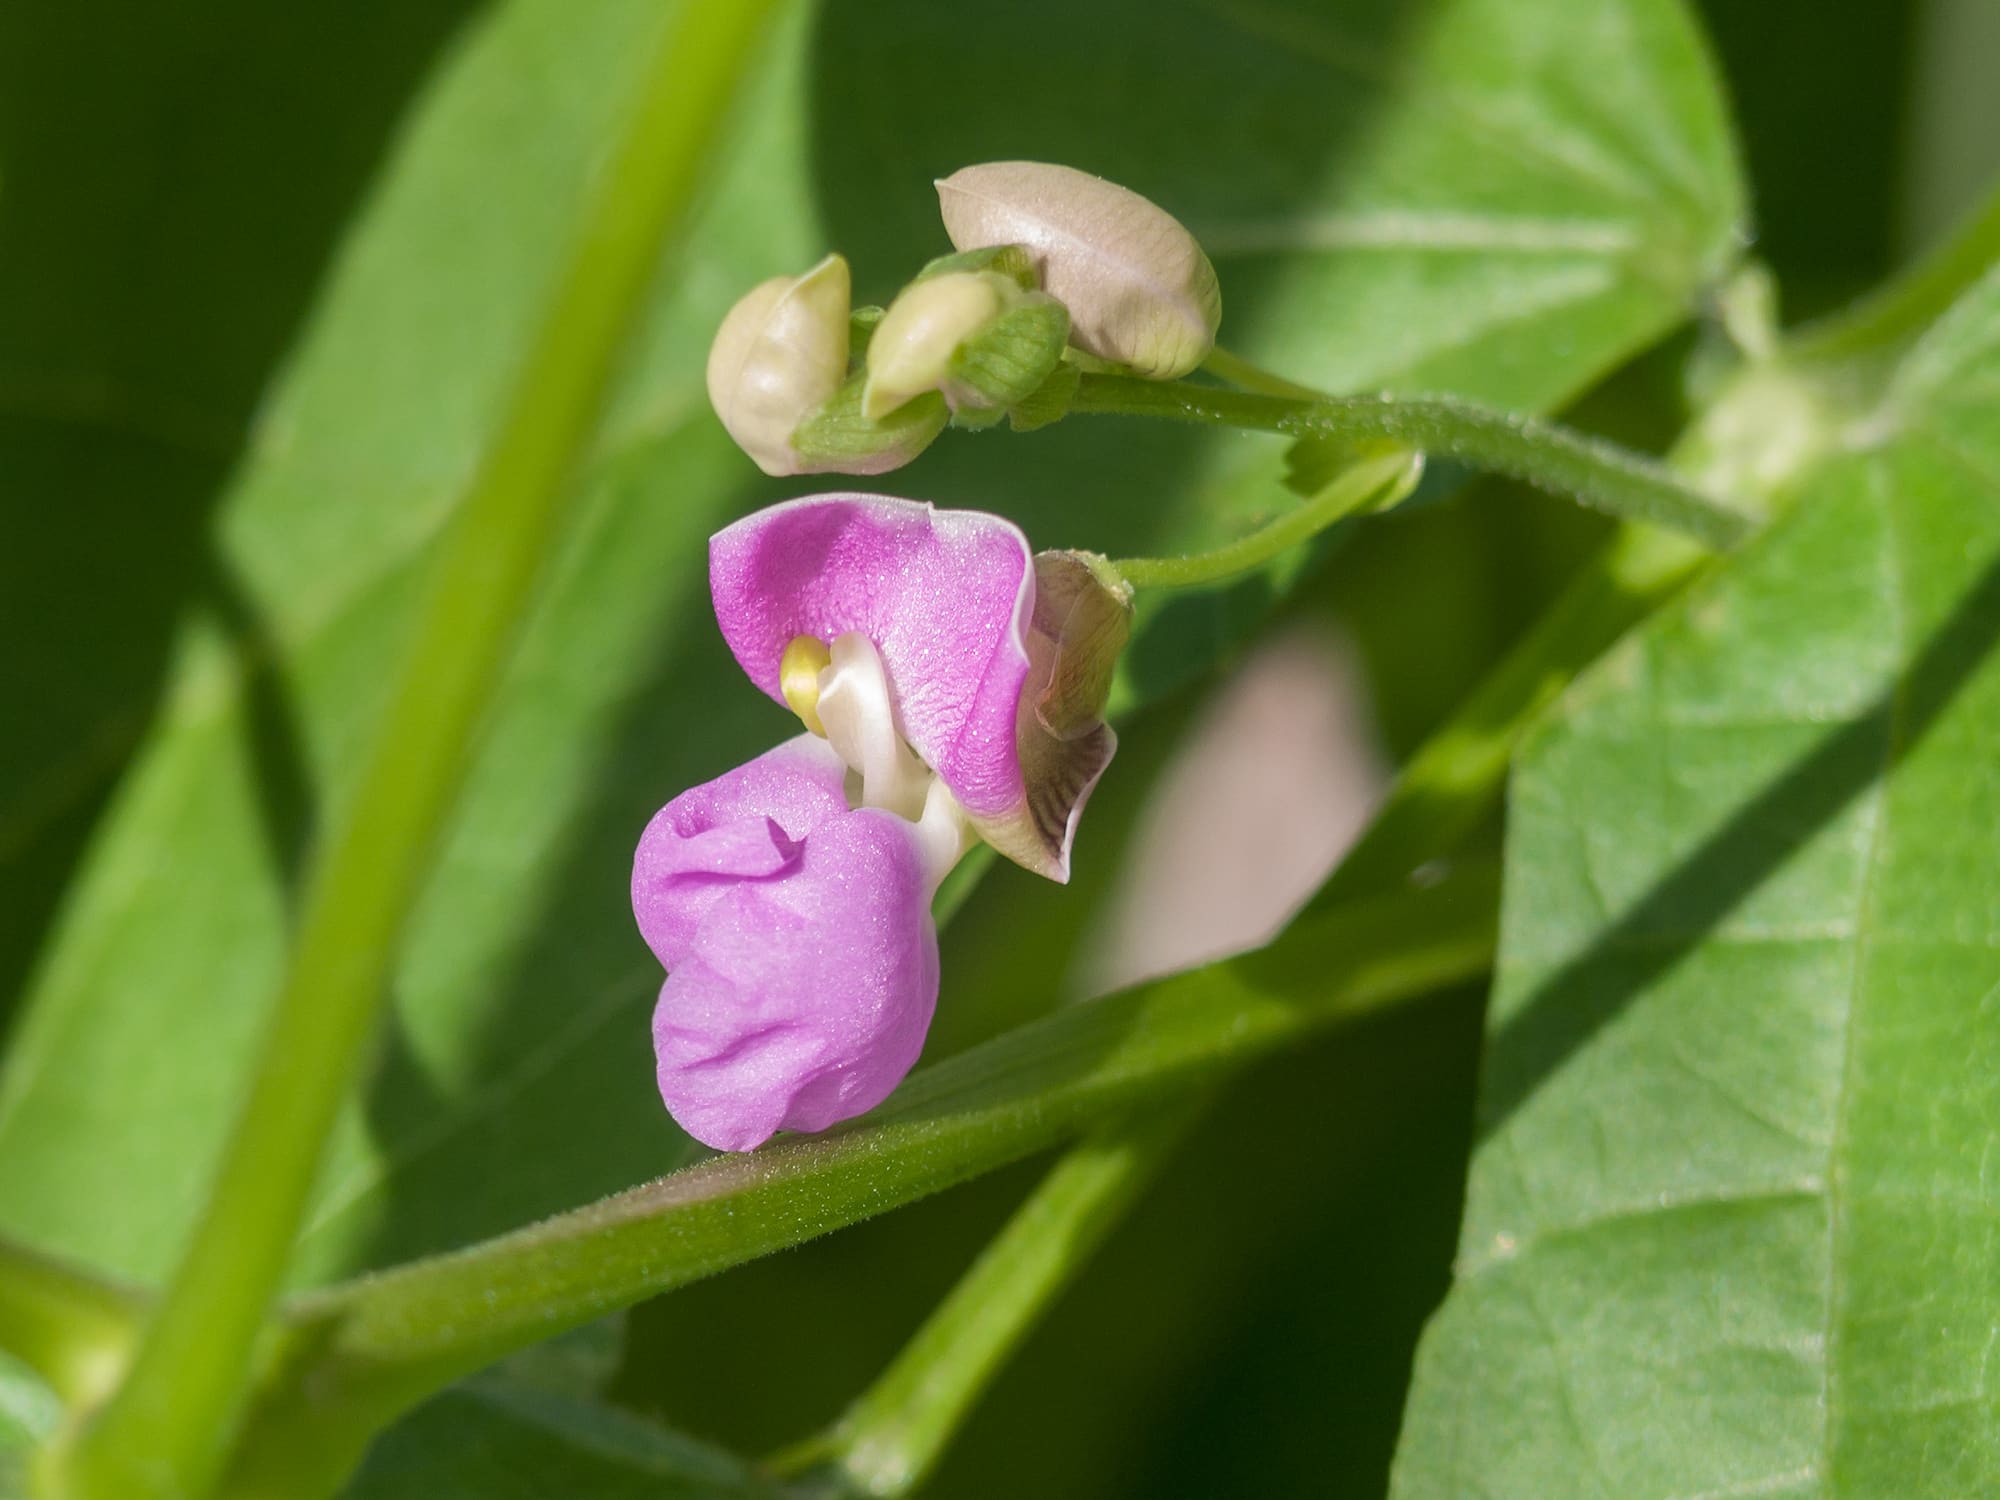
(1549, 456)
(1373, 482)
(890, 1439)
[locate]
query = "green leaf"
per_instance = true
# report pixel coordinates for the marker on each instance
(1729, 1228)
(1497, 199)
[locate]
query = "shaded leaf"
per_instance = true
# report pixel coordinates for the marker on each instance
(1729, 1229)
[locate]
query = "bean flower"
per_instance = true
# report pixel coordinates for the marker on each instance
(950, 685)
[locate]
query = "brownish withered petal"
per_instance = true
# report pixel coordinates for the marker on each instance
(1082, 620)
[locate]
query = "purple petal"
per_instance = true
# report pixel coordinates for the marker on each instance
(945, 596)
(802, 998)
(746, 823)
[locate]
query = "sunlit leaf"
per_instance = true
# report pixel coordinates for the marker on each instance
(1729, 1229)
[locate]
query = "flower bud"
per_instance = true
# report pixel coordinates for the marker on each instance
(913, 345)
(977, 337)
(780, 354)
(1138, 288)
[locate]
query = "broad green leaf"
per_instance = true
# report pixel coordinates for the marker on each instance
(1729, 1229)
(1502, 200)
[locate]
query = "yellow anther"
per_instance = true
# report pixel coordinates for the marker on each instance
(805, 657)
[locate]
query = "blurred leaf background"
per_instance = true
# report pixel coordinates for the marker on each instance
(264, 273)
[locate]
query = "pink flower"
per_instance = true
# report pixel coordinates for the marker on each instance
(958, 681)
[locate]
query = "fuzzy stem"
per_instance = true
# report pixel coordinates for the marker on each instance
(357, 1355)
(1385, 478)
(1543, 454)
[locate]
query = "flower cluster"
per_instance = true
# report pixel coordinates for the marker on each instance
(1050, 263)
(950, 684)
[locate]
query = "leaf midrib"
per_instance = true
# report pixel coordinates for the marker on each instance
(1896, 597)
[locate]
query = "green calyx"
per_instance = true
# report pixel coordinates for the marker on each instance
(976, 336)
(838, 438)
(1012, 261)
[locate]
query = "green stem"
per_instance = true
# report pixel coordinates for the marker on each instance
(359, 1354)
(1543, 454)
(167, 1430)
(71, 1328)
(1242, 373)
(889, 1440)
(1392, 475)
(1912, 301)
(1455, 778)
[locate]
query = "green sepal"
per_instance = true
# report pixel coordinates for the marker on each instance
(978, 418)
(836, 438)
(1007, 361)
(1048, 402)
(1009, 260)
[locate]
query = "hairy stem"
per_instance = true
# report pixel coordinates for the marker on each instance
(167, 1430)
(359, 1354)
(1548, 456)
(1384, 479)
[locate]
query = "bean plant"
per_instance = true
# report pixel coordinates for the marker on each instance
(600, 600)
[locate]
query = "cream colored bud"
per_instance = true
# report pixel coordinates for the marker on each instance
(1138, 287)
(779, 355)
(911, 351)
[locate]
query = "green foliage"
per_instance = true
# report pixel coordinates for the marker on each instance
(269, 282)
(1728, 1228)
